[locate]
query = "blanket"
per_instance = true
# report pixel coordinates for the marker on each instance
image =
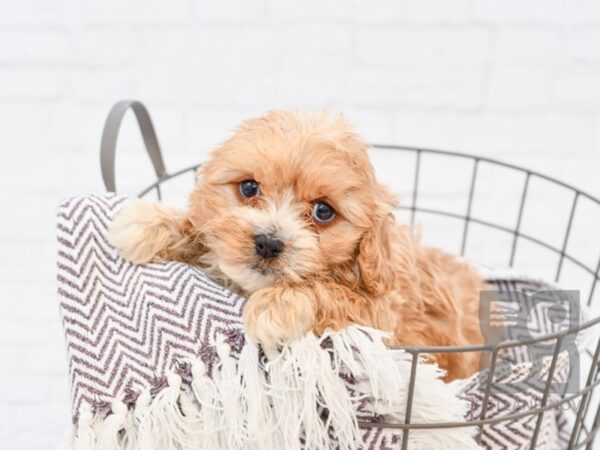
(158, 360)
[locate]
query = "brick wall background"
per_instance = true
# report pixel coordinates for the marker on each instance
(514, 79)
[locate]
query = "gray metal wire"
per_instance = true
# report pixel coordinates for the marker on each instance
(584, 428)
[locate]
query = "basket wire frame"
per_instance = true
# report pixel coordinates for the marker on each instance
(582, 402)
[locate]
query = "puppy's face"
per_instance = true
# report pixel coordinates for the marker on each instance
(288, 197)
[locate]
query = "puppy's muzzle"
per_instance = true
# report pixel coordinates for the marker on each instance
(267, 246)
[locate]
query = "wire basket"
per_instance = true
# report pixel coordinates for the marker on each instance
(585, 403)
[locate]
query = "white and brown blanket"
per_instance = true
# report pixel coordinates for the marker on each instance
(158, 360)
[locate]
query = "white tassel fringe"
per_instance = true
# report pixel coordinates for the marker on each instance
(297, 400)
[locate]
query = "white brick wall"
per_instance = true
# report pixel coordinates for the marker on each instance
(513, 79)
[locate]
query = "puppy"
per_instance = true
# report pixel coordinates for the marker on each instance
(288, 213)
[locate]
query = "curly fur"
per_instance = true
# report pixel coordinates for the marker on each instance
(362, 268)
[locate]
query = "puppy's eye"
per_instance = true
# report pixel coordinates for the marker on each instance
(323, 212)
(249, 188)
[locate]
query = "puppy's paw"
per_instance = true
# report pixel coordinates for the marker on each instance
(274, 316)
(142, 232)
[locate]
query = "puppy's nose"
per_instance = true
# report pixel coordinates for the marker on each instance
(267, 246)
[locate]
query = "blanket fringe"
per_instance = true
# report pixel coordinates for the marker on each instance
(86, 436)
(294, 398)
(209, 405)
(228, 381)
(109, 432)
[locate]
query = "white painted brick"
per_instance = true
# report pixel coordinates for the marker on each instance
(579, 87)
(284, 10)
(529, 45)
(28, 12)
(531, 11)
(107, 47)
(34, 260)
(583, 12)
(518, 88)
(438, 11)
(95, 86)
(35, 390)
(38, 84)
(17, 122)
(380, 11)
(583, 44)
(229, 11)
(208, 86)
(74, 126)
(407, 46)
(25, 298)
(224, 67)
(513, 134)
(45, 417)
(78, 167)
(22, 205)
(48, 360)
(7, 418)
(211, 48)
(27, 46)
(430, 129)
(133, 12)
(594, 145)
(311, 82)
(25, 439)
(443, 87)
(319, 38)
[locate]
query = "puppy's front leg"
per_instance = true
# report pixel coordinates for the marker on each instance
(278, 314)
(143, 232)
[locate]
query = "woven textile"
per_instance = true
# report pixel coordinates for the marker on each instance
(129, 327)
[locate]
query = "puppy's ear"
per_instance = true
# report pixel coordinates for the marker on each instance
(375, 249)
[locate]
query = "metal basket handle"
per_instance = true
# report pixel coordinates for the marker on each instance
(109, 141)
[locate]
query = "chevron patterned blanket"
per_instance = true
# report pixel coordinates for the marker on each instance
(158, 360)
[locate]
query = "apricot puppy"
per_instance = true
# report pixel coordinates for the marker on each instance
(288, 213)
